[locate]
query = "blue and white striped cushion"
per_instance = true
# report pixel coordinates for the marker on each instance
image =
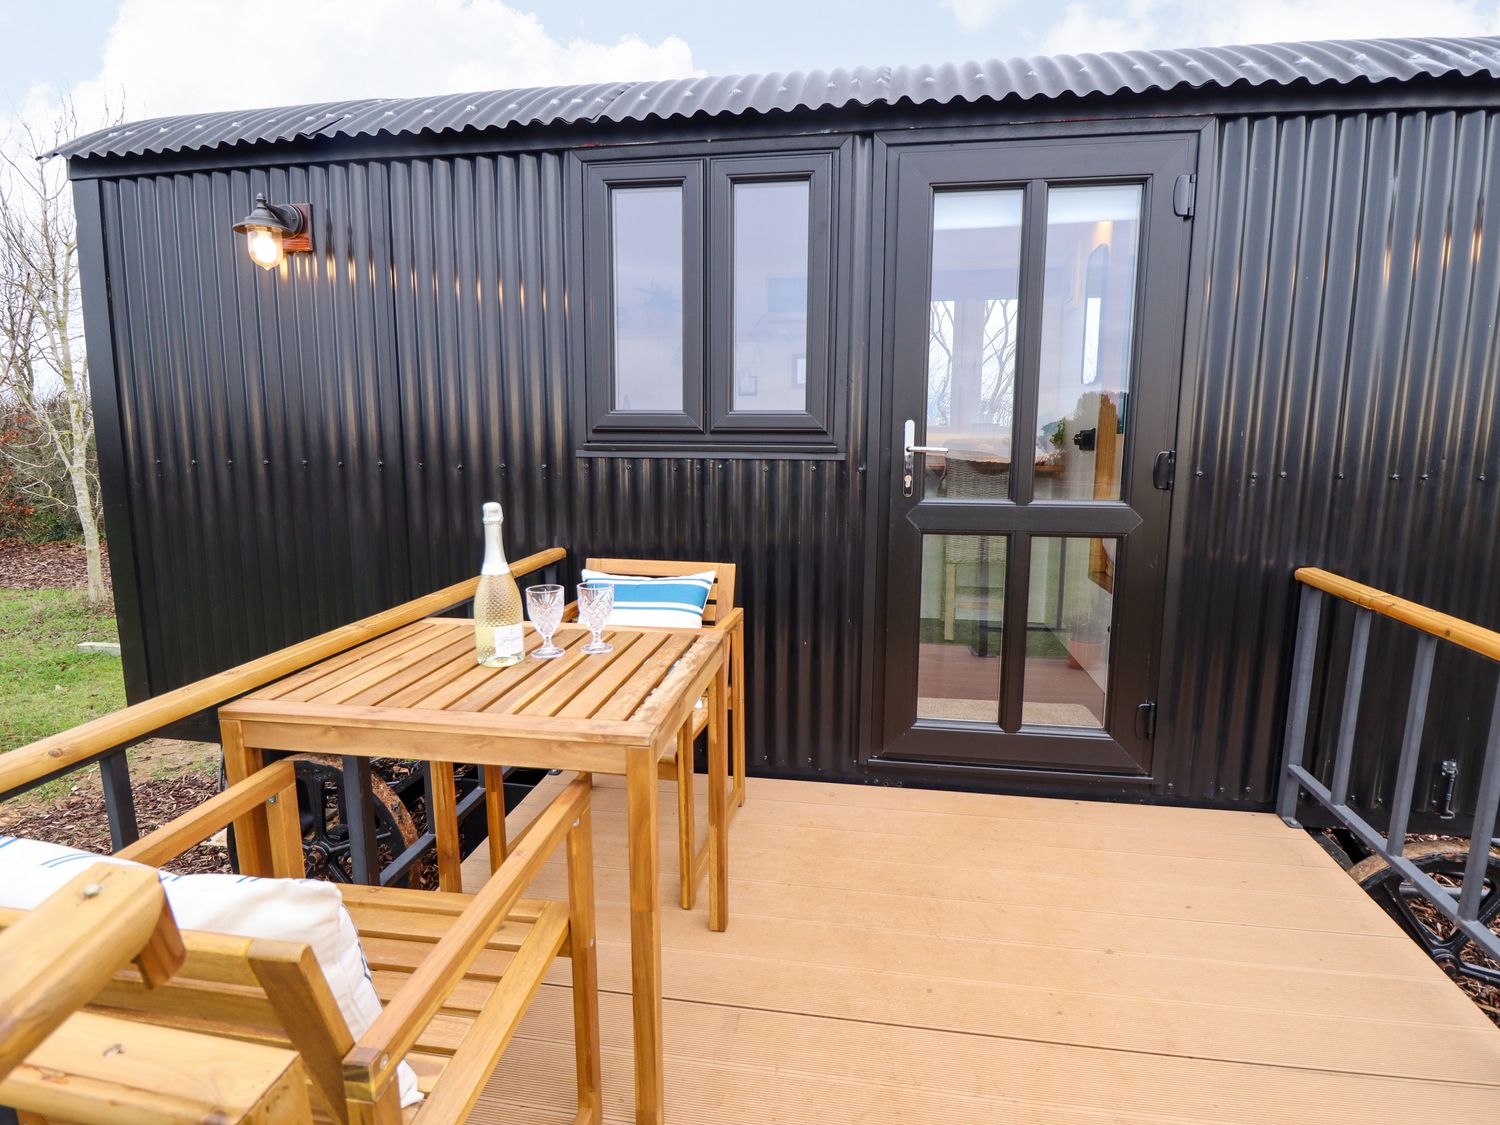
(667, 603)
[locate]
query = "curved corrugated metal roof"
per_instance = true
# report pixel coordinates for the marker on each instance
(1269, 65)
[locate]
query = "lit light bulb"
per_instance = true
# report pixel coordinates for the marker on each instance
(265, 248)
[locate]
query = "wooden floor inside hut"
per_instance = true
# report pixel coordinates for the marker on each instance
(901, 955)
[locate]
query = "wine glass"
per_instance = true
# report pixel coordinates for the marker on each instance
(544, 605)
(596, 600)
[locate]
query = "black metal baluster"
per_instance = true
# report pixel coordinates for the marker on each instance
(119, 800)
(1411, 743)
(1309, 613)
(1343, 756)
(364, 848)
(1486, 807)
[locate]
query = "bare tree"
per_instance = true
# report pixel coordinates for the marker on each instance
(43, 365)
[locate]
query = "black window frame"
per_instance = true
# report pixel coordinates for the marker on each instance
(708, 424)
(724, 174)
(599, 254)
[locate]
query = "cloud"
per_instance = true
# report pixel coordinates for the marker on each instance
(971, 15)
(1109, 25)
(167, 57)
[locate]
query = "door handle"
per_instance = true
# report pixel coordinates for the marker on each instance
(908, 455)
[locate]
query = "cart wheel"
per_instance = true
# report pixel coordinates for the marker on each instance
(1444, 861)
(325, 832)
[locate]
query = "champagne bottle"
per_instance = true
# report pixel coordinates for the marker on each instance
(498, 641)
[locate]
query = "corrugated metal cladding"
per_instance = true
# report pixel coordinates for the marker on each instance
(301, 451)
(283, 482)
(261, 419)
(1022, 79)
(1346, 416)
(477, 244)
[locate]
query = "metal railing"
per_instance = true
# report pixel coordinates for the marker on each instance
(1460, 906)
(105, 740)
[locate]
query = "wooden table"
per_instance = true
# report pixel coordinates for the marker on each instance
(417, 693)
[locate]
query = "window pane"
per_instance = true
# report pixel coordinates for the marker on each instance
(770, 295)
(973, 316)
(1088, 312)
(647, 225)
(1070, 612)
(963, 605)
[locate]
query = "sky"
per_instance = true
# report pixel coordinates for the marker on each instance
(161, 57)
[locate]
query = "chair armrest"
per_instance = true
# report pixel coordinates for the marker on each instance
(56, 958)
(371, 1066)
(278, 780)
(734, 619)
(570, 611)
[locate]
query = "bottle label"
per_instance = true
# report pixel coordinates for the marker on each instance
(509, 640)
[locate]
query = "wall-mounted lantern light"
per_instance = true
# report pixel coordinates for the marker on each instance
(276, 229)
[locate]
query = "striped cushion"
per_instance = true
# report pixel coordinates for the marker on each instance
(669, 603)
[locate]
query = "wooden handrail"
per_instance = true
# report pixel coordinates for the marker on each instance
(80, 743)
(1455, 630)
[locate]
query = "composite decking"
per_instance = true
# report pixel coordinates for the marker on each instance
(902, 955)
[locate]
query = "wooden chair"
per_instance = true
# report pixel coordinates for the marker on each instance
(455, 972)
(59, 1062)
(719, 612)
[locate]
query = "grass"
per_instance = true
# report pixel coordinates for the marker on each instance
(46, 684)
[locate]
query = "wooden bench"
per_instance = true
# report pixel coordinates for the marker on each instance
(58, 1062)
(719, 612)
(455, 972)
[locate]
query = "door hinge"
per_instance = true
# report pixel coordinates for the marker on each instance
(1164, 470)
(1145, 719)
(1185, 195)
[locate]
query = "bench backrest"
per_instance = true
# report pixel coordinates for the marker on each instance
(720, 594)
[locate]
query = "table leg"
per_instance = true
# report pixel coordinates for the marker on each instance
(718, 802)
(252, 832)
(687, 832)
(645, 930)
(737, 687)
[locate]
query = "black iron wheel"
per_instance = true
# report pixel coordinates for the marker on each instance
(1444, 861)
(325, 832)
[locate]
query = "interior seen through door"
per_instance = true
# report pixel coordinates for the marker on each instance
(1077, 450)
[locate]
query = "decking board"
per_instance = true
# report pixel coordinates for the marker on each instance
(1013, 967)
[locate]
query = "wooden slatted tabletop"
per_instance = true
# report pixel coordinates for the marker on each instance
(418, 693)
(429, 666)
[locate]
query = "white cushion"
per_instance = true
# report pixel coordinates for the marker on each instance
(673, 602)
(296, 910)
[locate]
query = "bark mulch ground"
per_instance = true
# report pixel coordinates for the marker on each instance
(44, 566)
(77, 819)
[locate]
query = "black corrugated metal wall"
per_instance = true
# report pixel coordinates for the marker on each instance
(1344, 417)
(301, 452)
